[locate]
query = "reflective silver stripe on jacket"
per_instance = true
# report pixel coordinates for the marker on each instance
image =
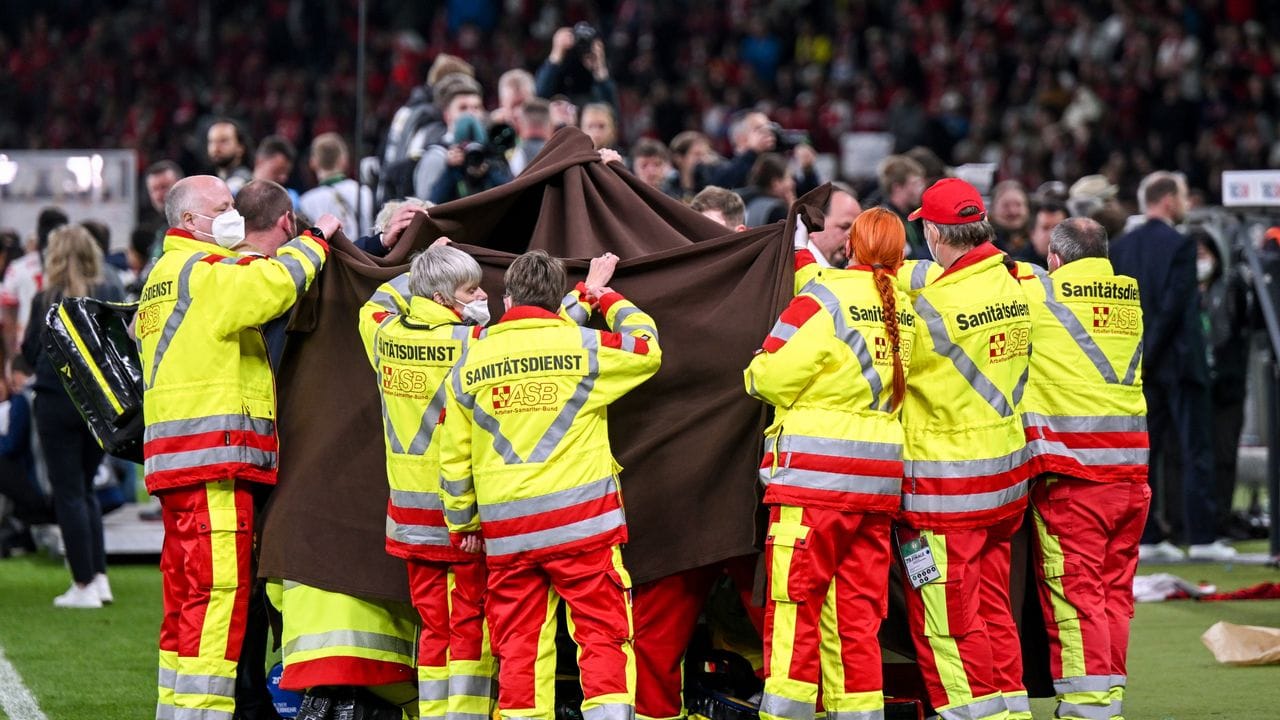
(550, 440)
(965, 468)
(231, 422)
(1086, 423)
(192, 459)
(972, 502)
(549, 502)
(414, 500)
(964, 364)
(409, 534)
(920, 274)
(837, 447)
(621, 325)
(1091, 457)
(851, 337)
(179, 312)
(400, 284)
(1078, 333)
(349, 638)
(834, 482)
(561, 535)
(574, 309)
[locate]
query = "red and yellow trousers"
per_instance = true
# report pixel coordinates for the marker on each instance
(962, 625)
(665, 613)
(521, 608)
(828, 591)
(1087, 536)
(205, 567)
(456, 668)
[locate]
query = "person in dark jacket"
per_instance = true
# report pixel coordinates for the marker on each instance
(73, 268)
(1225, 313)
(1175, 374)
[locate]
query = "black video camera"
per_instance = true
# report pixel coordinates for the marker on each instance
(785, 140)
(584, 34)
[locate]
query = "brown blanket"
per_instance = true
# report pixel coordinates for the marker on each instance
(689, 439)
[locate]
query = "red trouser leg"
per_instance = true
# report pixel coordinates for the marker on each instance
(997, 614)
(665, 612)
(207, 579)
(1087, 536)
(852, 682)
(1117, 575)
(429, 590)
(828, 575)
(597, 592)
(471, 664)
(521, 609)
(174, 592)
(952, 648)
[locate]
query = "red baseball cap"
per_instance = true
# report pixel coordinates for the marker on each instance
(950, 201)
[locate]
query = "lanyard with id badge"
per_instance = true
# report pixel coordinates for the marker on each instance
(917, 558)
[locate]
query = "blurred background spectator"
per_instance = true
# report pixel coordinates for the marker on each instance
(1047, 90)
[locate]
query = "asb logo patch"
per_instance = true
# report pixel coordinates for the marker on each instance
(1101, 316)
(501, 396)
(1008, 344)
(882, 350)
(996, 345)
(528, 396)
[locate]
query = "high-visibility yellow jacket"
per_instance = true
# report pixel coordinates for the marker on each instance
(209, 396)
(1083, 410)
(525, 455)
(827, 366)
(412, 343)
(964, 450)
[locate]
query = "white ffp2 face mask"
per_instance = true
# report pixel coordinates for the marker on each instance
(476, 312)
(228, 228)
(1204, 270)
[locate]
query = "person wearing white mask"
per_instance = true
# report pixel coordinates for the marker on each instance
(210, 436)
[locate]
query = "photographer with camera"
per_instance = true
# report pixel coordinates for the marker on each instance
(464, 114)
(753, 135)
(576, 67)
(472, 168)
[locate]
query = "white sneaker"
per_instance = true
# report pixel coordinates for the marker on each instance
(1216, 550)
(1163, 551)
(101, 586)
(79, 596)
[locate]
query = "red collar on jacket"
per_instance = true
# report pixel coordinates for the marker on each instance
(528, 312)
(180, 233)
(973, 257)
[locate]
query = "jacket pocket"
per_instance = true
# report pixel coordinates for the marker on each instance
(789, 561)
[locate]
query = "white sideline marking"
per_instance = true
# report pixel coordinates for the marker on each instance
(15, 698)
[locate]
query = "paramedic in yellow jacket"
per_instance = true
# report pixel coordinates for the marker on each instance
(834, 367)
(1085, 418)
(210, 411)
(415, 328)
(965, 482)
(525, 462)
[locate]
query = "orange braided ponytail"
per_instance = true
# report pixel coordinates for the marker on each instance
(876, 239)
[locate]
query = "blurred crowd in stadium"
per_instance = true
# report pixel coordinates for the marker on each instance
(1048, 89)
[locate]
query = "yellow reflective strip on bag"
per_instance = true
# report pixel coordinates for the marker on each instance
(73, 333)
